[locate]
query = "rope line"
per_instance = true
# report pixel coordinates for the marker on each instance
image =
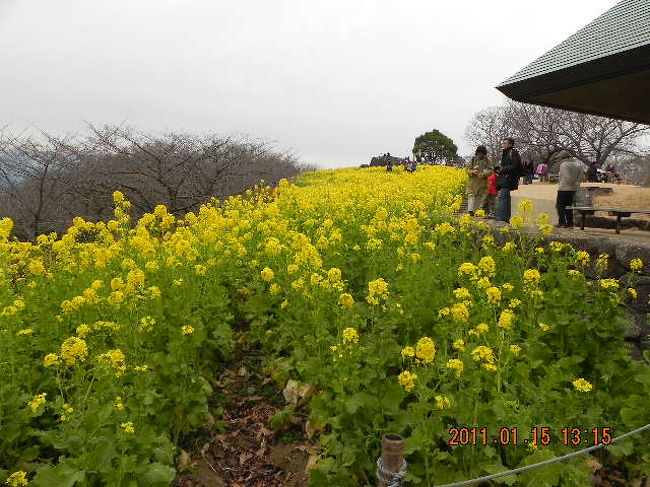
(391, 479)
(548, 462)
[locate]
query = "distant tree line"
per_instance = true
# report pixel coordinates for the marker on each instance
(45, 181)
(541, 132)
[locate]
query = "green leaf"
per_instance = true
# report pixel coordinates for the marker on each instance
(157, 474)
(546, 476)
(62, 475)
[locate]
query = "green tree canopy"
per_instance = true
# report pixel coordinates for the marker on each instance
(435, 146)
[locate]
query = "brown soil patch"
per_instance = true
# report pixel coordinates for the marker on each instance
(248, 451)
(625, 196)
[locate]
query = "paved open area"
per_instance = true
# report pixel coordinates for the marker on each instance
(623, 196)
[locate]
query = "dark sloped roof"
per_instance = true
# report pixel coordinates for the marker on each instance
(603, 69)
(624, 27)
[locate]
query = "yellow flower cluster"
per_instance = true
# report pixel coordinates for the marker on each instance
(74, 350)
(37, 402)
(582, 385)
(17, 479)
(425, 350)
(115, 359)
(350, 335)
(407, 380)
(377, 291)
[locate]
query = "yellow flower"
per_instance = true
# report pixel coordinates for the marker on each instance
(119, 405)
(115, 359)
(200, 270)
(482, 328)
(506, 319)
(83, 330)
(74, 350)
(459, 345)
(483, 353)
(514, 302)
(346, 301)
(509, 247)
(187, 330)
(67, 409)
(636, 265)
(142, 368)
(609, 283)
(462, 293)
(493, 295)
(118, 197)
(17, 479)
(574, 273)
(582, 385)
(517, 222)
(632, 292)
(467, 269)
(444, 228)
(154, 291)
(25, 331)
(457, 365)
(377, 289)
(267, 274)
(146, 324)
(582, 257)
(532, 276)
(479, 213)
(442, 402)
(334, 274)
(546, 229)
(350, 335)
(128, 427)
(408, 352)
(407, 380)
(488, 240)
(460, 312)
(602, 261)
(489, 366)
(544, 326)
(514, 349)
(487, 263)
(50, 359)
(38, 401)
(525, 207)
(425, 350)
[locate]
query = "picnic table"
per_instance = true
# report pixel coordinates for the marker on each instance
(617, 212)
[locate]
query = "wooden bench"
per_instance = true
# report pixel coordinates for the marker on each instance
(617, 212)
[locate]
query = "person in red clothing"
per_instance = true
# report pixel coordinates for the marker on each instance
(491, 200)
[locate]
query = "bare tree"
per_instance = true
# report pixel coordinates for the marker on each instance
(543, 131)
(45, 181)
(35, 175)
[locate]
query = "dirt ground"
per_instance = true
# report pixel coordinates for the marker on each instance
(623, 196)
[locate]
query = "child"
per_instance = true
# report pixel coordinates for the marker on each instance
(492, 195)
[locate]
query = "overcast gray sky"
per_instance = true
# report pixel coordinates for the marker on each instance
(334, 81)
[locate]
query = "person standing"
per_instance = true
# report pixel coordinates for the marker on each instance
(492, 195)
(507, 178)
(527, 170)
(542, 171)
(570, 176)
(478, 170)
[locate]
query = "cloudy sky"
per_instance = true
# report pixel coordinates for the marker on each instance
(334, 81)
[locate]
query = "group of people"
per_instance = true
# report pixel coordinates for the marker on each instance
(409, 165)
(490, 185)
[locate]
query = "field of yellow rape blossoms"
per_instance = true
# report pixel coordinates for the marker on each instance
(357, 282)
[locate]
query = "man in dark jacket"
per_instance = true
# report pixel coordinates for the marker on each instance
(507, 178)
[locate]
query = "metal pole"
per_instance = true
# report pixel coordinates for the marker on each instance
(392, 457)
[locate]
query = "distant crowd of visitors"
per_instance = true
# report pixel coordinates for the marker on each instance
(489, 185)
